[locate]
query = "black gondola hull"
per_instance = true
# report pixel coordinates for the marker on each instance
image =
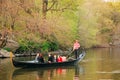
(33, 64)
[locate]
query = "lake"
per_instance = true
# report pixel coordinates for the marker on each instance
(98, 64)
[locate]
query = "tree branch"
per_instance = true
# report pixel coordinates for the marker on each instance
(51, 5)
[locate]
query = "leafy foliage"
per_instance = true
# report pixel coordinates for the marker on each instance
(48, 26)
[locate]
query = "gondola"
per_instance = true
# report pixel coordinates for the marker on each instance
(34, 64)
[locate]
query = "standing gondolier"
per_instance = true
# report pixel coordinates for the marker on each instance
(76, 47)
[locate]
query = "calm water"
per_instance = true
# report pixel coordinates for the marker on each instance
(98, 64)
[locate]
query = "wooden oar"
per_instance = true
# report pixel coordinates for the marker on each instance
(70, 54)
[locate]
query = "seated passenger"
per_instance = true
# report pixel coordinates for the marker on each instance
(40, 58)
(63, 58)
(59, 59)
(36, 58)
(55, 58)
(50, 58)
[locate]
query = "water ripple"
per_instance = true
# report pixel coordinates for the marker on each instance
(113, 72)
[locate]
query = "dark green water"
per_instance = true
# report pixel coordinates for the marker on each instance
(98, 64)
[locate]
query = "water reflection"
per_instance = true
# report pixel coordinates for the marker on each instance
(102, 64)
(98, 64)
(79, 70)
(76, 76)
(58, 73)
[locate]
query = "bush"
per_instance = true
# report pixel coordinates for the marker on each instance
(49, 46)
(31, 46)
(8, 49)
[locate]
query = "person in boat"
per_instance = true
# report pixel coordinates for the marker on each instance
(50, 58)
(76, 47)
(63, 58)
(36, 58)
(40, 58)
(59, 59)
(55, 58)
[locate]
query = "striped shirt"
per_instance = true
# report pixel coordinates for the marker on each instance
(76, 45)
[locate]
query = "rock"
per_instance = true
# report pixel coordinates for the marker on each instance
(102, 46)
(6, 54)
(12, 45)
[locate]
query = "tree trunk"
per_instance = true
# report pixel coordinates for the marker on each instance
(44, 8)
(3, 40)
